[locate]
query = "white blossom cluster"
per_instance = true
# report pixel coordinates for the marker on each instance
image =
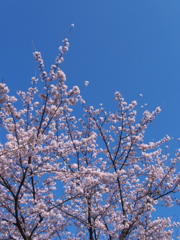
(94, 174)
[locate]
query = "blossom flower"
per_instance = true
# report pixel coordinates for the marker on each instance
(86, 83)
(13, 99)
(36, 104)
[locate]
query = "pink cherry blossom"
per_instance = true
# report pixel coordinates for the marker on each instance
(94, 177)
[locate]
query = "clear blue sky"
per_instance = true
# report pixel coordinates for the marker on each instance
(132, 46)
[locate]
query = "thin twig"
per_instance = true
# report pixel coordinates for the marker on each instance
(33, 45)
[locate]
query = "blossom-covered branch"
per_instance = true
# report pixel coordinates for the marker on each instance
(88, 178)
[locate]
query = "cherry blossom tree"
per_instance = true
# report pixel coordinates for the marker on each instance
(88, 178)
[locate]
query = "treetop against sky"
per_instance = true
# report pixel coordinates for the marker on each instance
(74, 164)
(91, 177)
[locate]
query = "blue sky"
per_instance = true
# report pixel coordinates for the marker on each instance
(132, 46)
